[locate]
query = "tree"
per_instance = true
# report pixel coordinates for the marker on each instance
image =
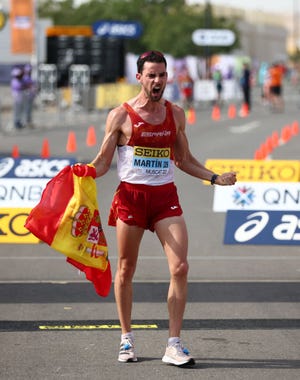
(167, 24)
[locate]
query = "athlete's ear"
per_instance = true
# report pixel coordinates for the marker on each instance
(138, 76)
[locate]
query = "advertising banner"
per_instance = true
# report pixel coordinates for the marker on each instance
(12, 228)
(117, 29)
(257, 170)
(22, 26)
(109, 95)
(257, 196)
(22, 181)
(32, 167)
(262, 227)
(21, 192)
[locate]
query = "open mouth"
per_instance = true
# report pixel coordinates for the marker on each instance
(156, 90)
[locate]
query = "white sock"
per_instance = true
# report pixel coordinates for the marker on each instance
(173, 340)
(128, 335)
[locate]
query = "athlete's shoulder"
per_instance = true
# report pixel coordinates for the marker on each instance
(178, 112)
(117, 113)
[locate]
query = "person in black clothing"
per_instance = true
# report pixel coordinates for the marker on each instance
(246, 85)
(218, 79)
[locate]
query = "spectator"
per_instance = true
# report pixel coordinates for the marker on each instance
(30, 91)
(218, 79)
(17, 89)
(186, 85)
(276, 74)
(264, 82)
(246, 85)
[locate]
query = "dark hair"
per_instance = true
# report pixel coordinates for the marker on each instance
(150, 56)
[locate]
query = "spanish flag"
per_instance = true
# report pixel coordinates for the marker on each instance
(67, 218)
(22, 24)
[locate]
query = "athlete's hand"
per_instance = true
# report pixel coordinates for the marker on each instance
(226, 179)
(83, 170)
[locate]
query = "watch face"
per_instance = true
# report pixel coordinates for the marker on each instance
(213, 179)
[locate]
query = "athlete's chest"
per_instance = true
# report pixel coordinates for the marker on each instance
(149, 127)
(152, 118)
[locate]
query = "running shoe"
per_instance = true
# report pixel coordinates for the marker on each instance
(177, 355)
(127, 353)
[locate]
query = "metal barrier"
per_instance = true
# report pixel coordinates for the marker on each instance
(47, 80)
(79, 82)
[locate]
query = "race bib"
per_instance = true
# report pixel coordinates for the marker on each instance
(151, 161)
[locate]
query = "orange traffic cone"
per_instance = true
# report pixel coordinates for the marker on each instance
(244, 111)
(269, 145)
(15, 152)
(91, 139)
(258, 155)
(263, 151)
(191, 116)
(286, 134)
(45, 152)
(71, 143)
(216, 114)
(275, 139)
(231, 111)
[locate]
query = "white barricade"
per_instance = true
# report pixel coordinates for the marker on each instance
(47, 81)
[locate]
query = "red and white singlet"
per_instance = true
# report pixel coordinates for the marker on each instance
(148, 156)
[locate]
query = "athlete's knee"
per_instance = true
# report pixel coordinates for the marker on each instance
(180, 270)
(125, 272)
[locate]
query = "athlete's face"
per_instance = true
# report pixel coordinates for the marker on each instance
(153, 80)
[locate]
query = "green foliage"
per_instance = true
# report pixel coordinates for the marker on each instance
(167, 24)
(295, 57)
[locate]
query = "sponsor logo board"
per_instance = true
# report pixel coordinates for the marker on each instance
(257, 170)
(32, 167)
(12, 228)
(17, 192)
(22, 181)
(262, 227)
(257, 196)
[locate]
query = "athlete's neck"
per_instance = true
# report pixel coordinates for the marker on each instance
(144, 103)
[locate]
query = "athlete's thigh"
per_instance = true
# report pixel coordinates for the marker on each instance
(172, 233)
(129, 239)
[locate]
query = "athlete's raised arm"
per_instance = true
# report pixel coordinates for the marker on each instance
(186, 162)
(113, 134)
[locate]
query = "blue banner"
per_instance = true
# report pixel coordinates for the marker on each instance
(32, 167)
(262, 227)
(120, 29)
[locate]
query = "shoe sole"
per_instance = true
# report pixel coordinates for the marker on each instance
(128, 360)
(168, 360)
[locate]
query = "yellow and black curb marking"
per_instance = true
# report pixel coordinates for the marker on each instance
(96, 327)
(77, 325)
(158, 324)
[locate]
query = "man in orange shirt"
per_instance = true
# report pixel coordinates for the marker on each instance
(186, 85)
(276, 75)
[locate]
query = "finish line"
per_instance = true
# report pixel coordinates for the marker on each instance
(156, 324)
(95, 327)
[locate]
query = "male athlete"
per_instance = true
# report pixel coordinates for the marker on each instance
(149, 135)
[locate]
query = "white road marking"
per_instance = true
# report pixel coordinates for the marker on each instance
(245, 127)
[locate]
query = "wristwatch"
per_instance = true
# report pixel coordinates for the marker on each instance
(213, 178)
